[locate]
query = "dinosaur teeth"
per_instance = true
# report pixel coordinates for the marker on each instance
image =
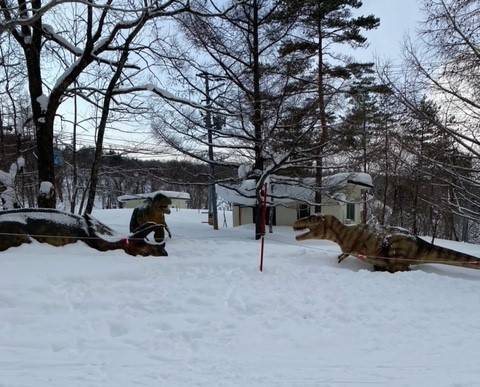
(301, 233)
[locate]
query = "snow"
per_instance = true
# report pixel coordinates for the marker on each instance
(8, 181)
(244, 170)
(340, 197)
(341, 179)
(45, 187)
(163, 93)
(61, 40)
(43, 101)
(20, 162)
(70, 220)
(67, 72)
(100, 43)
(205, 315)
(169, 194)
(8, 198)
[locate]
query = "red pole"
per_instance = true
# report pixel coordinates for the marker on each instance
(263, 215)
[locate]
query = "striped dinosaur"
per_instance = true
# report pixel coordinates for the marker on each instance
(392, 249)
(59, 228)
(153, 210)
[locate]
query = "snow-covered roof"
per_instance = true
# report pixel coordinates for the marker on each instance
(344, 178)
(168, 194)
(285, 190)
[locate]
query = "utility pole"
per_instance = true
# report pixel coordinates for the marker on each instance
(212, 194)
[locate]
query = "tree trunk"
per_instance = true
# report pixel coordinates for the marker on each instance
(323, 123)
(73, 198)
(386, 181)
(99, 149)
(365, 156)
(43, 111)
(105, 112)
(2, 139)
(257, 115)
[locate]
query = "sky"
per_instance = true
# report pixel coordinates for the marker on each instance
(397, 18)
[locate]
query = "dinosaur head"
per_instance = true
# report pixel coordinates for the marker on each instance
(315, 227)
(160, 202)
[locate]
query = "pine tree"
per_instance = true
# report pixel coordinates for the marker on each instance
(361, 130)
(321, 25)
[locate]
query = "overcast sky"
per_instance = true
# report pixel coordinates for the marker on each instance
(397, 18)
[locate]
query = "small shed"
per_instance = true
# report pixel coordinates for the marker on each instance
(289, 198)
(179, 199)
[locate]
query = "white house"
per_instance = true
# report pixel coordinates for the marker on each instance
(179, 199)
(290, 198)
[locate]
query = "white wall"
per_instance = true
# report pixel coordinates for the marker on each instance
(235, 213)
(179, 203)
(242, 215)
(286, 216)
(133, 203)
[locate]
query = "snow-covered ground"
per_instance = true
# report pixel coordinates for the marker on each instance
(205, 315)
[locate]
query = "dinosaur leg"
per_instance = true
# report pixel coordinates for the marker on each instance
(397, 266)
(392, 267)
(379, 268)
(341, 257)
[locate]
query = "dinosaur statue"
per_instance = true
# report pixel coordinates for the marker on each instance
(59, 228)
(153, 210)
(392, 249)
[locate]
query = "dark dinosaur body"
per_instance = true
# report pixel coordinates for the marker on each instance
(59, 228)
(153, 210)
(391, 249)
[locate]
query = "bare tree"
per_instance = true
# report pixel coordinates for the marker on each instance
(250, 106)
(104, 28)
(445, 63)
(321, 71)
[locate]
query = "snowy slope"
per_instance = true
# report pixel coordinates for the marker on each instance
(205, 315)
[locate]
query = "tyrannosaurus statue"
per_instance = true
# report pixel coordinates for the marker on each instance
(153, 210)
(392, 249)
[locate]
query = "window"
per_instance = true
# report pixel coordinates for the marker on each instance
(303, 211)
(351, 211)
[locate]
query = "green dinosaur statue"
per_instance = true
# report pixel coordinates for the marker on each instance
(392, 249)
(153, 210)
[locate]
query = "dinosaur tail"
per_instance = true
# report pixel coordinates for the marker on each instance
(429, 253)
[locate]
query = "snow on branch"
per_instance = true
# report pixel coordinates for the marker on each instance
(7, 179)
(50, 32)
(160, 92)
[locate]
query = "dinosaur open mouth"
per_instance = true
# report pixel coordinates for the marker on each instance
(301, 232)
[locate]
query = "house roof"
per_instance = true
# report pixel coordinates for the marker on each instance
(283, 190)
(168, 194)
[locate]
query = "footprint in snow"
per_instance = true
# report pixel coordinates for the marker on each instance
(197, 301)
(117, 329)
